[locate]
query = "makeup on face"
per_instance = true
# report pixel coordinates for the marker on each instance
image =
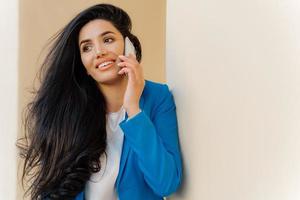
(100, 45)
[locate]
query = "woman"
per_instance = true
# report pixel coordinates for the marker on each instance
(96, 128)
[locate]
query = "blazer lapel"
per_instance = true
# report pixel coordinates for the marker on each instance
(125, 147)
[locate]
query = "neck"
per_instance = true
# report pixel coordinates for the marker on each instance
(114, 94)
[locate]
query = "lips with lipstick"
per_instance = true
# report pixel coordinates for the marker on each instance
(105, 64)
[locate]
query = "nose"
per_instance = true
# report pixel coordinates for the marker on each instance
(100, 51)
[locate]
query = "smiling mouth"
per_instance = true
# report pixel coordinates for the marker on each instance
(104, 64)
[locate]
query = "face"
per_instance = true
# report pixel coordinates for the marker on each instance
(100, 44)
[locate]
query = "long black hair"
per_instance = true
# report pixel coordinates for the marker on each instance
(65, 123)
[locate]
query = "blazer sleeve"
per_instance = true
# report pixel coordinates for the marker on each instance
(156, 144)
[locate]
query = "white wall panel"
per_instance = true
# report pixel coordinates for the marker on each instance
(234, 68)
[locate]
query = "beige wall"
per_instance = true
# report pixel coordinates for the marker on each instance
(39, 20)
(234, 68)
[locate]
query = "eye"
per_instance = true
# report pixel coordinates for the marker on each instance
(108, 40)
(86, 48)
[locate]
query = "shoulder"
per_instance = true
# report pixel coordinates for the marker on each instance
(156, 94)
(155, 90)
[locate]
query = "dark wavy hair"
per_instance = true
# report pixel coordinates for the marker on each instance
(65, 123)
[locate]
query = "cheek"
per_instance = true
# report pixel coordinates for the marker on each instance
(117, 48)
(86, 61)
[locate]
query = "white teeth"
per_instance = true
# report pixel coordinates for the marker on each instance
(105, 64)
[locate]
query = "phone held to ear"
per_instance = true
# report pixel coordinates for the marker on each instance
(129, 48)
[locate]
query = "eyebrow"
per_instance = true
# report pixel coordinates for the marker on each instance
(102, 34)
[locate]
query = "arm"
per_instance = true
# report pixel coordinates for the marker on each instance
(156, 145)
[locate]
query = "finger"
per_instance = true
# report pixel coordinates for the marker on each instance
(129, 65)
(121, 72)
(130, 59)
(125, 70)
(129, 72)
(138, 71)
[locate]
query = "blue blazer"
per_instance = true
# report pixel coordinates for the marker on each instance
(150, 166)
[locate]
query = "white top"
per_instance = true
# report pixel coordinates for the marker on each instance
(102, 184)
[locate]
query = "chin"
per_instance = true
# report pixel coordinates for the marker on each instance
(109, 80)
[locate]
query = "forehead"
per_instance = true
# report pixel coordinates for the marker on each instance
(95, 27)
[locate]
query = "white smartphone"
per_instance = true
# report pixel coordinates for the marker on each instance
(129, 48)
